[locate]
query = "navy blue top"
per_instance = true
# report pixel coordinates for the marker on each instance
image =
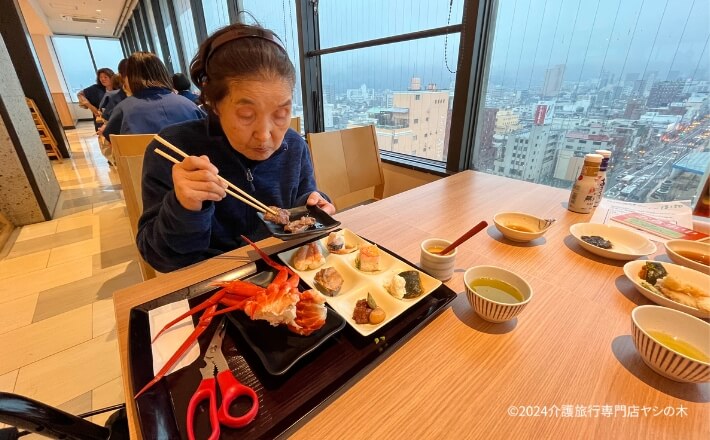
(112, 102)
(149, 111)
(189, 95)
(171, 237)
(94, 93)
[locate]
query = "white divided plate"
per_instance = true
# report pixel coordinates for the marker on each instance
(626, 244)
(357, 284)
(686, 275)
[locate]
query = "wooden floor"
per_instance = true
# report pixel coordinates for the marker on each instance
(57, 327)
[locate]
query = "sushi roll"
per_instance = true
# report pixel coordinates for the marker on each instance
(369, 258)
(405, 285)
(328, 281)
(308, 257)
(337, 245)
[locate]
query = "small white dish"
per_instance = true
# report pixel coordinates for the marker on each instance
(521, 227)
(674, 248)
(648, 321)
(626, 244)
(689, 276)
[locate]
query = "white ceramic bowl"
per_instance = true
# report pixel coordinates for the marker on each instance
(506, 221)
(440, 267)
(675, 246)
(626, 244)
(490, 310)
(664, 360)
(689, 276)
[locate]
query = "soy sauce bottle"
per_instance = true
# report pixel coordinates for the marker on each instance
(581, 199)
(601, 176)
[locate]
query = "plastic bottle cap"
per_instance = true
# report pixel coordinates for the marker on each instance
(594, 158)
(604, 153)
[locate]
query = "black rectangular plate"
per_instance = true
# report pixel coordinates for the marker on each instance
(285, 400)
(324, 223)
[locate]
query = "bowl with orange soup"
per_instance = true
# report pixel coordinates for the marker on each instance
(688, 253)
(521, 227)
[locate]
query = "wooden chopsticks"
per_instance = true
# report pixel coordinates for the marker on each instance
(244, 197)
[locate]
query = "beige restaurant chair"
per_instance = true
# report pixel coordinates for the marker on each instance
(347, 165)
(296, 124)
(128, 150)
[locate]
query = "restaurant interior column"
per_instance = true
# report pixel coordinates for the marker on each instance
(26, 64)
(29, 190)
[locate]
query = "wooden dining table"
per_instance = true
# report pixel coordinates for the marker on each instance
(566, 367)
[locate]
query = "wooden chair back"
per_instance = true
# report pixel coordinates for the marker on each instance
(346, 163)
(296, 124)
(128, 150)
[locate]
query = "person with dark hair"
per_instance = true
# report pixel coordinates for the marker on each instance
(113, 101)
(90, 97)
(246, 81)
(152, 105)
(182, 85)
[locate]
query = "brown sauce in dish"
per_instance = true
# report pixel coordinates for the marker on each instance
(695, 256)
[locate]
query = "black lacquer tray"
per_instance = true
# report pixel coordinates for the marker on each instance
(285, 399)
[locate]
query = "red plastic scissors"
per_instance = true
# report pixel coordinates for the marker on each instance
(230, 388)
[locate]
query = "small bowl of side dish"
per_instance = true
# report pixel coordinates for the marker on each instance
(692, 254)
(672, 343)
(496, 294)
(521, 227)
(681, 291)
(624, 244)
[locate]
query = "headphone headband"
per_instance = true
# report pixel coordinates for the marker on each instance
(236, 34)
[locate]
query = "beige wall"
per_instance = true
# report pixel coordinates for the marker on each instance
(50, 67)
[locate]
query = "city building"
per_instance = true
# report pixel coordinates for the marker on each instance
(663, 93)
(553, 81)
(529, 154)
(506, 121)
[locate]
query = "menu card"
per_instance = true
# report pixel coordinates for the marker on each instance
(678, 213)
(658, 227)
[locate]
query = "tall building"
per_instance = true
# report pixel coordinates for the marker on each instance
(664, 92)
(553, 81)
(487, 152)
(414, 125)
(529, 154)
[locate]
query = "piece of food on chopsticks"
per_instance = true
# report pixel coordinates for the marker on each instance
(405, 285)
(300, 225)
(656, 279)
(280, 303)
(281, 216)
(328, 281)
(368, 260)
(367, 312)
(336, 243)
(308, 257)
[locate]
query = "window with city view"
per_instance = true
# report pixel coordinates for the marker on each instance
(405, 88)
(567, 77)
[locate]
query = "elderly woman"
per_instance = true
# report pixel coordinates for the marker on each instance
(246, 81)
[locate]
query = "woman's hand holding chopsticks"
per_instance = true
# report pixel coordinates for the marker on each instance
(196, 180)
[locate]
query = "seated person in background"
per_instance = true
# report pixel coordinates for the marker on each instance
(116, 86)
(90, 97)
(181, 84)
(120, 95)
(246, 81)
(152, 105)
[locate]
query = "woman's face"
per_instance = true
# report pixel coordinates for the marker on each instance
(105, 80)
(255, 115)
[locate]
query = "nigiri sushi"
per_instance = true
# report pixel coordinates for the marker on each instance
(369, 258)
(337, 245)
(308, 257)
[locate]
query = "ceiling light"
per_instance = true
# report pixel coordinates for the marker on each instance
(98, 10)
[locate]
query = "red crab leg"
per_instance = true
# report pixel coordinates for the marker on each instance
(213, 300)
(239, 287)
(266, 258)
(205, 320)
